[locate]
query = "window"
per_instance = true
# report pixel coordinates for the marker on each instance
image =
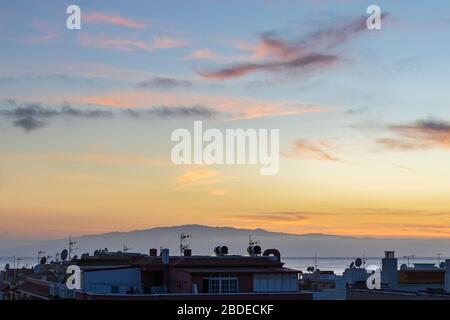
(214, 285)
(220, 284)
(114, 289)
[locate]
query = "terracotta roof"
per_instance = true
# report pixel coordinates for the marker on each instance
(240, 270)
(36, 288)
(211, 261)
(420, 276)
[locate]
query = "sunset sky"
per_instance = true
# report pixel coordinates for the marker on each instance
(86, 116)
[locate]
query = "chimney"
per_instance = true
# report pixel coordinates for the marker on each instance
(187, 252)
(165, 256)
(153, 252)
(389, 270)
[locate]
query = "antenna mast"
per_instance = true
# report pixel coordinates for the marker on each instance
(71, 248)
(251, 242)
(183, 244)
(315, 260)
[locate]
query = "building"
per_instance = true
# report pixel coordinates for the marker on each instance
(216, 274)
(422, 281)
(111, 279)
(113, 275)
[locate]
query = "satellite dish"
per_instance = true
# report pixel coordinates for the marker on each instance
(442, 265)
(64, 255)
(254, 250)
(310, 269)
(75, 257)
(352, 265)
(358, 262)
(7, 267)
(403, 267)
(43, 260)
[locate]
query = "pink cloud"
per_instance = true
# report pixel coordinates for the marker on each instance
(97, 17)
(121, 44)
(321, 150)
(276, 53)
(236, 107)
(203, 54)
(46, 33)
(168, 43)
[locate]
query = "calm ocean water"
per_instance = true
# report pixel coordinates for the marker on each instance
(338, 265)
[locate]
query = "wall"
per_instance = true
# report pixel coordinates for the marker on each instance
(275, 282)
(102, 281)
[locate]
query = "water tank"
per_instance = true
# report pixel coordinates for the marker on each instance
(221, 250)
(254, 250)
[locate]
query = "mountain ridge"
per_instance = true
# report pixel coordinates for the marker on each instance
(204, 238)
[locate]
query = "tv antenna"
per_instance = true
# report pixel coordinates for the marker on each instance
(125, 248)
(71, 248)
(251, 241)
(439, 257)
(183, 242)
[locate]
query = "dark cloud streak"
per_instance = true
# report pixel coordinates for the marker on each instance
(421, 135)
(30, 117)
(281, 55)
(164, 83)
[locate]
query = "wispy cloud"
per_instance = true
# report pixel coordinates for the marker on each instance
(423, 134)
(98, 17)
(33, 116)
(164, 83)
(246, 68)
(275, 53)
(126, 44)
(321, 150)
(201, 176)
(203, 54)
(217, 193)
(88, 157)
(173, 112)
(274, 217)
(46, 33)
(236, 107)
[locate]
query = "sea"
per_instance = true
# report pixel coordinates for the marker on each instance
(336, 264)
